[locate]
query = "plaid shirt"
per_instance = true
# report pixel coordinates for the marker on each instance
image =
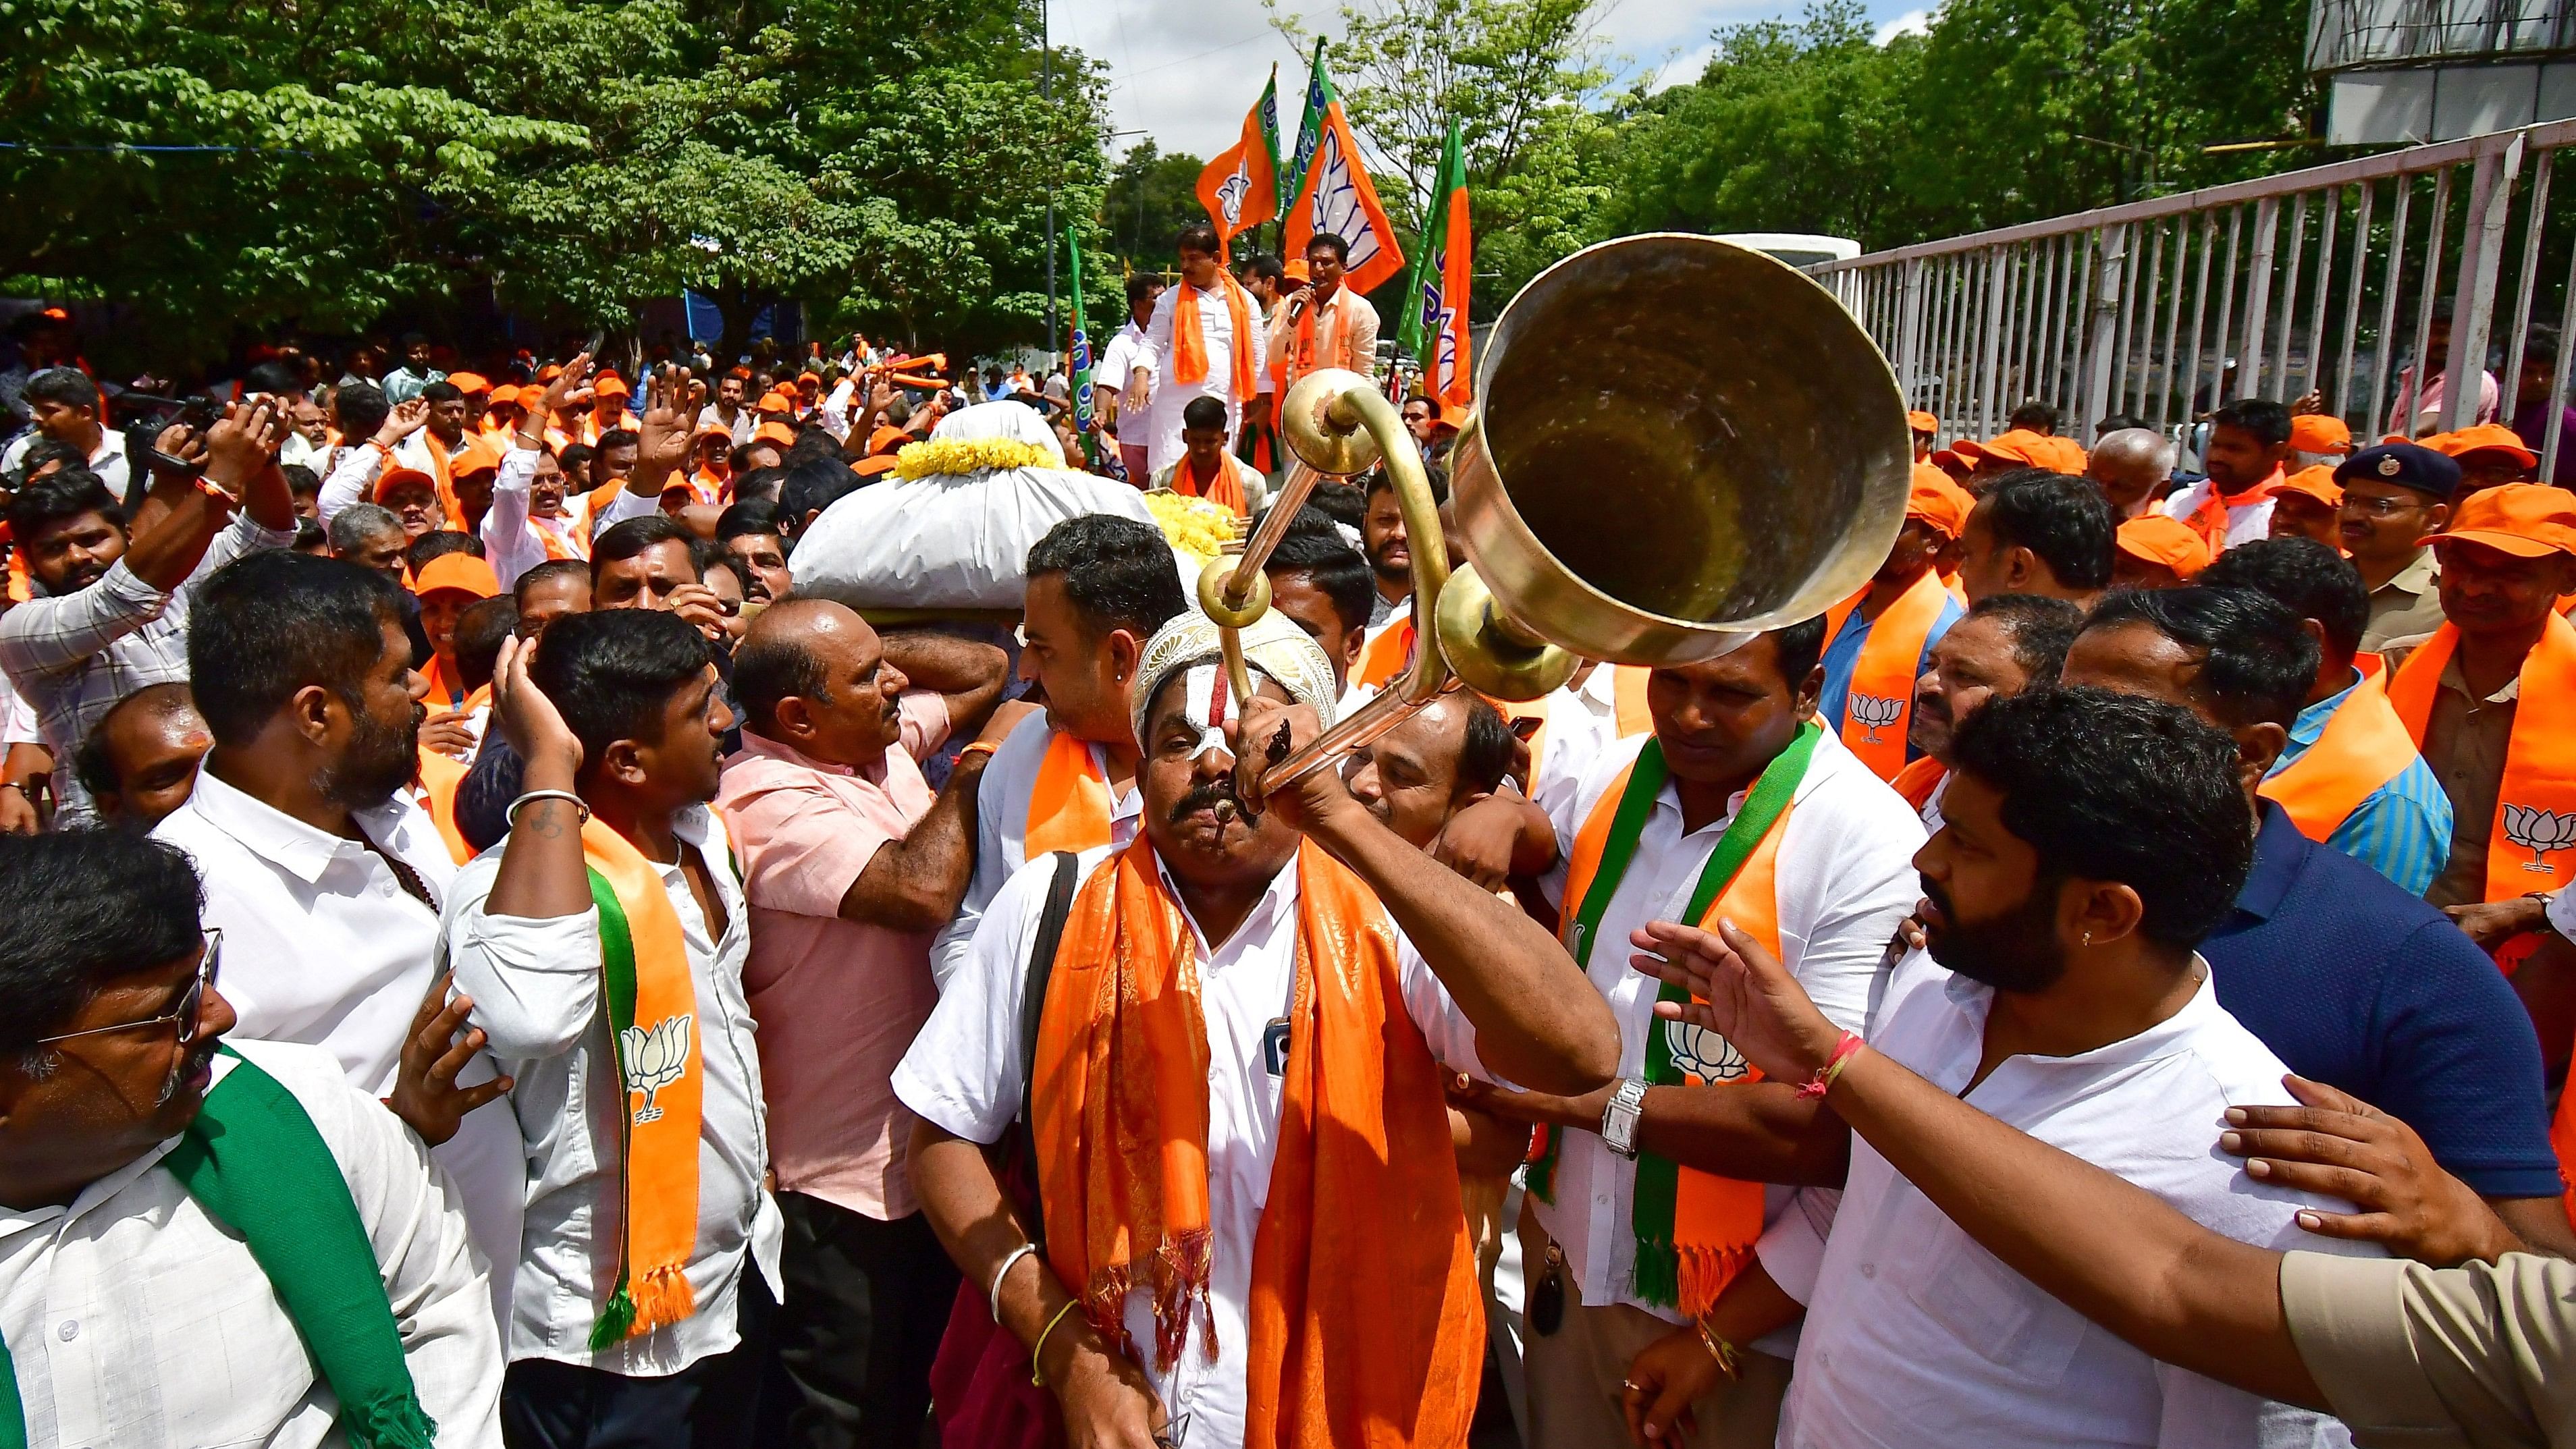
(74, 656)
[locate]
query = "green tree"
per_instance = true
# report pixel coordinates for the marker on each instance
(1793, 126)
(886, 166)
(1152, 195)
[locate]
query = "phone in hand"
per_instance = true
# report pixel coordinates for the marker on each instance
(596, 343)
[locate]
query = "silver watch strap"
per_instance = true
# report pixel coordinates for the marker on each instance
(1620, 1117)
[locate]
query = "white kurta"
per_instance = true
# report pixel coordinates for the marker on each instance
(963, 1073)
(1171, 395)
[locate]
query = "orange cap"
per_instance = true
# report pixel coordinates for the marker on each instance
(395, 477)
(477, 456)
(778, 433)
(549, 373)
(2315, 482)
(2485, 437)
(504, 396)
(2319, 433)
(460, 571)
(2527, 520)
(710, 430)
(870, 467)
(2158, 539)
(2059, 455)
(1296, 270)
(2011, 446)
(469, 382)
(1922, 422)
(886, 439)
(1938, 501)
(608, 384)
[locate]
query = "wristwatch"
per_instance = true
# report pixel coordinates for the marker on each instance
(1619, 1119)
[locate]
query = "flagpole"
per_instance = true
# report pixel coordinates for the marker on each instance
(1046, 98)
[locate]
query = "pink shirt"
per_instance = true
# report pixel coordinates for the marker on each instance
(837, 1001)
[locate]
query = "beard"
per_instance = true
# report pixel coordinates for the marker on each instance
(2016, 951)
(380, 759)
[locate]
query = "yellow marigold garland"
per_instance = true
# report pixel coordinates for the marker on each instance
(949, 457)
(1195, 526)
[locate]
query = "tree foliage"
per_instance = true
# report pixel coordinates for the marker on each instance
(1152, 195)
(2003, 111)
(885, 165)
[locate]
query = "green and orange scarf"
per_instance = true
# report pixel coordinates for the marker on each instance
(1695, 1230)
(652, 1020)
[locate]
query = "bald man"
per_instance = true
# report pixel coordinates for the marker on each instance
(2133, 466)
(849, 862)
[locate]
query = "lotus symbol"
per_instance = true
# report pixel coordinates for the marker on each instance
(1704, 1054)
(2540, 832)
(1229, 197)
(656, 1056)
(1874, 710)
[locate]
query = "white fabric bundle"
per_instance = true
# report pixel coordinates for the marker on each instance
(956, 541)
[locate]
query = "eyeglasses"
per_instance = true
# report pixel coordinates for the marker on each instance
(2381, 507)
(184, 1015)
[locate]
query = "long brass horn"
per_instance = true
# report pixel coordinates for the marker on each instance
(1680, 443)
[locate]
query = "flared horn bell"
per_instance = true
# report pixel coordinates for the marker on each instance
(1679, 443)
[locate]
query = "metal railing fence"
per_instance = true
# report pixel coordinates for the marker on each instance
(2325, 280)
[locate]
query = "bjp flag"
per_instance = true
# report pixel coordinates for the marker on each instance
(1240, 188)
(1435, 310)
(1334, 194)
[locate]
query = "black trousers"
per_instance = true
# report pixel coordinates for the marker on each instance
(866, 1304)
(712, 1404)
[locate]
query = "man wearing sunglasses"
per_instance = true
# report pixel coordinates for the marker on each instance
(198, 1244)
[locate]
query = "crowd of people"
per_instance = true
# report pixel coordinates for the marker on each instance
(497, 948)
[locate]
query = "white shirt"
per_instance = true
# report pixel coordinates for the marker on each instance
(1582, 724)
(1216, 327)
(136, 1320)
(352, 481)
(323, 947)
(2245, 521)
(535, 984)
(963, 1074)
(1126, 352)
(18, 723)
(835, 411)
(1915, 1335)
(1002, 827)
(108, 462)
(514, 540)
(745, 422)
(1845, 879)
(1931, 811)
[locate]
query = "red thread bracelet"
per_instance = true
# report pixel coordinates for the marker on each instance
(1845, 1048)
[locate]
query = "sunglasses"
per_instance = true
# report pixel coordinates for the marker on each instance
(183, 1015)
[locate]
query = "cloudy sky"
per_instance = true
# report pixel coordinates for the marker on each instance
(1184, 71)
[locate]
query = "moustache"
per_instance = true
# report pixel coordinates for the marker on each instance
(1939, 898)
(1209, 795)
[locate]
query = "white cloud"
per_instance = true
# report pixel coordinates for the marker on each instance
(1912, 22)
(1185, 71)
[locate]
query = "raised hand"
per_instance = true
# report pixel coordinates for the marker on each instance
(425, 1095)
(242, 442)
(405, 420)
(528, 720)
(1256, 737)
(662, 446)
(1741, 992)
(558, 395)
(2337, 1145)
